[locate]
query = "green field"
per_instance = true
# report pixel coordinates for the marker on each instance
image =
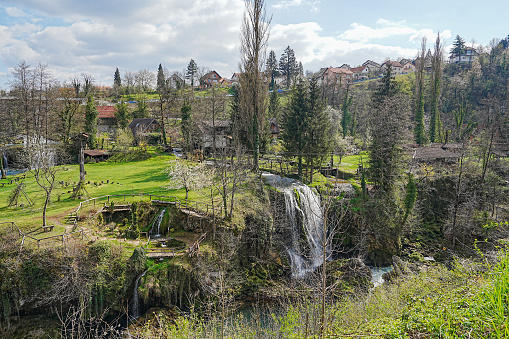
(105, 178)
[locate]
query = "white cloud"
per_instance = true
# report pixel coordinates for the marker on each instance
(364, 33)
(287, 4)
(316, 51)
(15, 12)
(170, 32)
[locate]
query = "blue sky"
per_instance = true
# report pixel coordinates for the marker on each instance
(76, 36)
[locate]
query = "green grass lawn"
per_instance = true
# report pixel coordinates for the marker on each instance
(105, 178)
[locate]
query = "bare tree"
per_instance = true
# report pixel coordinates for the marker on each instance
(144, 80)
(129, 82)
(254, 37)
(44, 170)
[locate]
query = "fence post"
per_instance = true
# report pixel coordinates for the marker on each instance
(108, 198)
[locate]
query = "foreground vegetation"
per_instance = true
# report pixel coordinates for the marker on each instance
(468, 301)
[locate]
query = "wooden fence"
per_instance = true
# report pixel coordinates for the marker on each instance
(27, 236)
(209, 209)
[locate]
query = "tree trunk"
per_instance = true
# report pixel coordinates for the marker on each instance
(2, 166)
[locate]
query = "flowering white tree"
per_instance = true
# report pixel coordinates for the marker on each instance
(187, 176)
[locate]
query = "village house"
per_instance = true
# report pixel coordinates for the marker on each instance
(274, 128)
(371, 65)
(236, 77)
(106, 120)
(408, 67)
(335, 76)
(209, 79)
(142, 126)
(468, 55)
(225, 82)
(360, 73)
(397, 68)
(218, 131)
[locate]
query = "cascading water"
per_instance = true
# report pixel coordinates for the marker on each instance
(135, 303)
(6, 164)
(303, 212)
(155, 231)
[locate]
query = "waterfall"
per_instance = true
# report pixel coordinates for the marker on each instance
(157, 222)
(303, 213)
(6, 165)
(135, 303)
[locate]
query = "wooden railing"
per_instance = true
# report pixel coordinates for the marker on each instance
(26, 236)
(198, 206)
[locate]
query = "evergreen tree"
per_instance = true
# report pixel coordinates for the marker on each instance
(274, 105)
(117, 81)
(318, 124)
(346, 118)
(386, 128)
(191, 70)
(239, 132)
(141, 110)
(458, 46)
(271, 68)
(91, 114)
(160, 79)
(122, 115)
(294, 122)
(186, 125)
(288, 66)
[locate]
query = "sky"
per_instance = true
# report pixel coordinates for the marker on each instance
(97, 36)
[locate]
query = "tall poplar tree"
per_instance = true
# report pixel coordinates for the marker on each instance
(91, 114)
(253, 95)
(419, 131)
(435, 125)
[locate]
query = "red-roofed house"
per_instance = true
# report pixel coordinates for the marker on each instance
(360, 73)
(106, 120)
(336, 75)
(397, 68)
(209, 79)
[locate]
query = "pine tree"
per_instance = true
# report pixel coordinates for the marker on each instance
(274, 105)
(318, 125)
(192, 68)
(288, 65)
(117, 81)
(271, 67)
(141, 110)
(91, 114)
(161, 81)
(458, 46)
(186, 125)
(386, 128)
(122, 114)
(294, 122)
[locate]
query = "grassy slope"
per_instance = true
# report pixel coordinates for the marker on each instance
(133, 177)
